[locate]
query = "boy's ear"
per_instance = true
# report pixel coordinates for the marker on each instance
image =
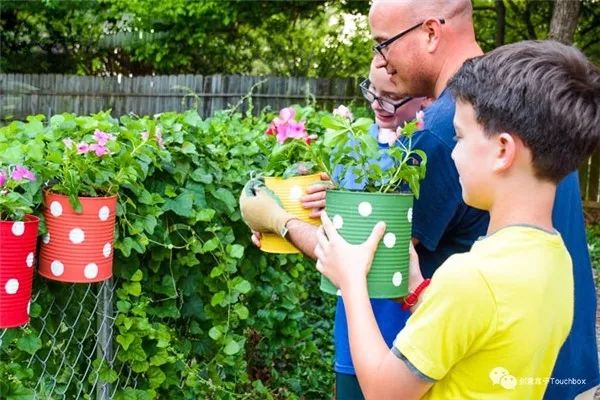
(506, 152)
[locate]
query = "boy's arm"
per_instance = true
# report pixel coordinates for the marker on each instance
(381, 373)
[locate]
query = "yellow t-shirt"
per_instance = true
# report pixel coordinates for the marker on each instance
(492, 321)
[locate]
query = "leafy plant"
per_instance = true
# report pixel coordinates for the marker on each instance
(354, 150)
(18, 188)
(94, 156)
(295, 143)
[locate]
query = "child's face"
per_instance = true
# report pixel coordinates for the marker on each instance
(473, 157)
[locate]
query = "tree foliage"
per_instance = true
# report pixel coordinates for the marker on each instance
(315, 38)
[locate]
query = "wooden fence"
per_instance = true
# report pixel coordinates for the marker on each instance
(147, 95)
(22, 95)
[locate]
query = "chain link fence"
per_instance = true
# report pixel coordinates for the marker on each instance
(70, 342)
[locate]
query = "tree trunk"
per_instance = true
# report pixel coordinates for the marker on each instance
(500, 22)
(564, 20)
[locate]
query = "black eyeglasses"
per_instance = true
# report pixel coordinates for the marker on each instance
(378, 48)
(387, 105)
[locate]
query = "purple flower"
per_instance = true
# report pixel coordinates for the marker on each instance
(99, 149)
(83, 148)
(2, 178)
(420, 117)
(20, 173)
(102, 137)
(296, 130)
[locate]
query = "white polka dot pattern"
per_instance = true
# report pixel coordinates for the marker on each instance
(338, 221)
(389, 240)
(12, 286)
(365, 209)
(90, 271)
(18, 228)
(30, 259)
(56, 209)
(76, 236)
(397, 279)
(104, 213)
(57, 268)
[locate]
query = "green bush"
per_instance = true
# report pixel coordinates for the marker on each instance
(200, 312)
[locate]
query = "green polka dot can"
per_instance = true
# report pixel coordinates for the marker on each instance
(354, 214)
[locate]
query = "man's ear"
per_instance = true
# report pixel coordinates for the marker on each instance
(506, 152)
(433, 28)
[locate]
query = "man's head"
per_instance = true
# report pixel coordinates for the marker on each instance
(434, 38)
(538, 100)
(390, 108)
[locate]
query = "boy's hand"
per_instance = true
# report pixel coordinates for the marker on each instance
(315, 196)
(343, 263)
(261, 209)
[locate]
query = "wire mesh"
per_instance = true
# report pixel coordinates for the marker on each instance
(69, 342)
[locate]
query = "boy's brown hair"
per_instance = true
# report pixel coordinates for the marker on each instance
(545, 92)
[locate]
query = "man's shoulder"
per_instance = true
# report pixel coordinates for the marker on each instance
(439, 120)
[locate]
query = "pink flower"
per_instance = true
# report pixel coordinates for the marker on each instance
(2, 178)
(99, 149)
(296, 130)
(420, 119)
(159, 138)
(310, 138)
(20, 172)
(287, 114)
(102, 137)
(144, 135)
(344, 112)
(68, 142)
(83, 148)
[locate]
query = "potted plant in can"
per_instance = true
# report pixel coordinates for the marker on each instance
(388, 177)
(90, 159)
(294, 155)
(19, 189)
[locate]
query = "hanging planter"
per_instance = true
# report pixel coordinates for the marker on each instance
(289, 192)
(354, 214)
(18, 242)
(78, 246)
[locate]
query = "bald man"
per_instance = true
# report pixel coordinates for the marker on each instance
(421, 44)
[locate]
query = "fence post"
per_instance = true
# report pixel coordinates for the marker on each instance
(104, 318)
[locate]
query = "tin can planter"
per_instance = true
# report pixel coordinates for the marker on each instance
(354, 214)
(18, 240)
(289, 192)
(78, 246)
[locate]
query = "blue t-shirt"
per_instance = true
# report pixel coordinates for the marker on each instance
(576, 368)
(389, 314)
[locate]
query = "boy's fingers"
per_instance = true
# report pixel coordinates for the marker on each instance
(328, 227)
(325, 177)
(314, 204)
(375, 236)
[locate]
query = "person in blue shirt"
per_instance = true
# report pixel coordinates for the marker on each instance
(391, 110)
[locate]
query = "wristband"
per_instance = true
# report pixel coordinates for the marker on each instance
(413, 297)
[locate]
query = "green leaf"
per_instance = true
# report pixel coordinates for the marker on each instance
(241, 310)
(181, 205)
(133, 288)
(232, 347)
(226, 197)
(216, 332)
(188, 148)
(210, 245)
(243, 286)
(29, 344)
(236, 251)
(137, 276)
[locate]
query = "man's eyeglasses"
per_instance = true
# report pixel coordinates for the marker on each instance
(387, 105)
(378, 48)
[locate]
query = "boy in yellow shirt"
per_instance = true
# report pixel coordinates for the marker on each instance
(492, 321)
